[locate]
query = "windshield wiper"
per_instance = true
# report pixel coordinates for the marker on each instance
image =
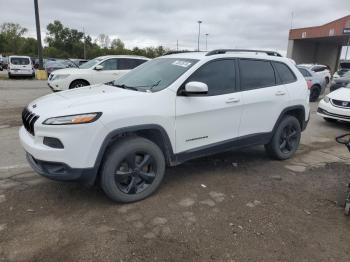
(123, 86)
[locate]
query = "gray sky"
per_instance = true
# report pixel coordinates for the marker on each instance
(229, 23)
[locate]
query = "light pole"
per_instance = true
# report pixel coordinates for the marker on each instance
(38, 35)
(206, 42)
(199, 33)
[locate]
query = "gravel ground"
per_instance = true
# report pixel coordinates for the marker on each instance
(236, 206)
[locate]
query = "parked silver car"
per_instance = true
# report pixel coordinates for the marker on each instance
(316, 85)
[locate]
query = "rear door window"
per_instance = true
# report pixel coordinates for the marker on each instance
(285, 73)
(256, 74)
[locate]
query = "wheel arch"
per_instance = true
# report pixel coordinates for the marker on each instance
(154, 133)
(297, 111)
(79, 79)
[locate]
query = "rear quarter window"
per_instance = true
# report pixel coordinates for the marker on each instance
(285, 74)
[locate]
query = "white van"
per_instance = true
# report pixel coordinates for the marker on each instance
(20, 66)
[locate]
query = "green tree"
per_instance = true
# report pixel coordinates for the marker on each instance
(117, 44)
(11, 35)
(69, 41)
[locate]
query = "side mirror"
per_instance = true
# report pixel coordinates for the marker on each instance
(99, 67)
(196, 88)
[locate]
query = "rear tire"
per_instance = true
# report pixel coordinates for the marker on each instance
(315, 92)
(285, 141)
(133, 170)
(78, 83)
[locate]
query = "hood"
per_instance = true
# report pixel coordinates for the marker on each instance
(90, 98)
(71, 71)
(340, 94)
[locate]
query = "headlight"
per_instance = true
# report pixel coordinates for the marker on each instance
(326, 99)
(73, 119)
(59, 77)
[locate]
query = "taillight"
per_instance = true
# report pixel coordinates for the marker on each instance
(309, 84)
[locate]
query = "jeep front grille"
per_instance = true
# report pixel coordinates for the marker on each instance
(29, 119)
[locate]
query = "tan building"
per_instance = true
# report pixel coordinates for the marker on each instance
(319, 44)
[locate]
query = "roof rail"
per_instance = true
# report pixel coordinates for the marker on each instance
(178, 52)
(224, 51)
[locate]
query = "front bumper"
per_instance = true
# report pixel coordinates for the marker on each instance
(52, 88)
(81, 143)
(59, 85)
(327, 110)
(62, 172)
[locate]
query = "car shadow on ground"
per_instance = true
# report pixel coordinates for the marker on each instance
(215, 165)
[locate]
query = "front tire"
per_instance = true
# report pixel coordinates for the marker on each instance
(285, 140)
(132, 170)
(78, 83)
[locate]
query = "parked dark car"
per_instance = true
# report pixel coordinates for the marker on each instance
(78, 61)
(342, 81)
(344, 67)
(51, 66)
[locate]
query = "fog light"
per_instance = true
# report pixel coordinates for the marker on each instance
(53, 142)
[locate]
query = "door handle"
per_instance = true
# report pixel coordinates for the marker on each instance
(280, 93)
(232, 100)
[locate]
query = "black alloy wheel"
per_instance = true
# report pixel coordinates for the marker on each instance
(289, 139)
(132, 170)
(135, 173)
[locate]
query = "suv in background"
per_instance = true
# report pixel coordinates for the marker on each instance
(168, 110)
(100, 70)
(322, 71)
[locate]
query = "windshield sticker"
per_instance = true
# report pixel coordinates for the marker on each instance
(181, 63)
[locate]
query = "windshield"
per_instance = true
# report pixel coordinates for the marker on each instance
(91, 63)
(156, 74)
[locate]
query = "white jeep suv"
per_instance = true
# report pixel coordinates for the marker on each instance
(164, 112)
(102, 69)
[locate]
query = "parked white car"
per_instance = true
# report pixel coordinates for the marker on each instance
(163, 113)
(20, 66)
(102, 69)
(336, 105)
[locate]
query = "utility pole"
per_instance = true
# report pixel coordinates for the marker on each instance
(38, 35)
(177, 45)
(206, 42)
(84, 44)
(199, 33)
(292, 20)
